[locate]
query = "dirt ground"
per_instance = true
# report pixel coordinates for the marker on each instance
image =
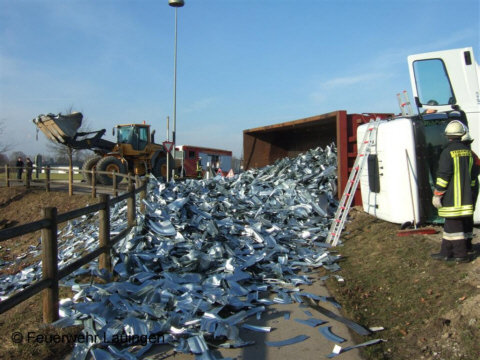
(429, 309)
(19, 206)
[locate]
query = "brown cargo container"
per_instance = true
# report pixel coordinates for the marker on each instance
(263, 145)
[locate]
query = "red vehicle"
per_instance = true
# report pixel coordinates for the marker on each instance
(193, 161)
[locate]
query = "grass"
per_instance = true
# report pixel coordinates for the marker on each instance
(42, 176)
(391, 282)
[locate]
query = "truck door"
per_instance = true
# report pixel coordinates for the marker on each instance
(142, 138)
(451, 78)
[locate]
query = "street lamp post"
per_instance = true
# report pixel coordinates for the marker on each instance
(176, 4)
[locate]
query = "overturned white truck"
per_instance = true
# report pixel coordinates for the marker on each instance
(397, 183)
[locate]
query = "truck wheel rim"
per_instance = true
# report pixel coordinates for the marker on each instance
(112, 167)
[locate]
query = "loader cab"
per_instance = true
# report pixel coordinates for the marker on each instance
(135, 135)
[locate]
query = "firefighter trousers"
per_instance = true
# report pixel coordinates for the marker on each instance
(454, 242)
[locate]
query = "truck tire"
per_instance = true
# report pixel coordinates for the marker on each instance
(110, 163)
(88, 165)
(160, 169)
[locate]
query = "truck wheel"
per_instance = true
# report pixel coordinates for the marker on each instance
(160, 169)
(110, 164)
(88, 165)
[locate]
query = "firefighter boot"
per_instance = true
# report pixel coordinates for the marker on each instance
(439, 257)
(458, 260)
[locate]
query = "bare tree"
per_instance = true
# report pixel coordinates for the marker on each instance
(4, 145)
(3, 159)
(15, 155)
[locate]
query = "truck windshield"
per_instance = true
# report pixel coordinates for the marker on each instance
(433, 83)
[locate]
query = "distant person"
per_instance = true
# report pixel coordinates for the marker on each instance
(199, 168)
(19, 166)
(29, 169)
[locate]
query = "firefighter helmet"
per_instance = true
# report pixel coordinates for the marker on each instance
(455, 129)
(467, 138)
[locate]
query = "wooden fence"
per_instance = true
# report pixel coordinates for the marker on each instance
(51, 274)
(48, 182)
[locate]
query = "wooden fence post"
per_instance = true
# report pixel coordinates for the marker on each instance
(7, 175)
(131, 211)
(104, 261)
(130, 181)
(50, 265)
(94, 183)
(70, 180)
(115, 192)
(47, 175)
(143, 195)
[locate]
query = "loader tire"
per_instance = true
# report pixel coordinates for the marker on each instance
(160, 169)
(110, 164)
(88, 165)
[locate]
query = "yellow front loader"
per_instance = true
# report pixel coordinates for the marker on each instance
(134, 152)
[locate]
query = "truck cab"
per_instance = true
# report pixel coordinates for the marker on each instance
(397, 184)
(190, 160)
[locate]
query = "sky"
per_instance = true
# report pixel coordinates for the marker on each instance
(241, 64)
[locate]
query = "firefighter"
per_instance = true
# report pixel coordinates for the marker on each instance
(199, 168)
(467, 140)
(454, 193)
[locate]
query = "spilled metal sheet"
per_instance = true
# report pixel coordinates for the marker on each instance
(200, 260)
(311, 322)
(326, 331)
(257, 328)
(352, 325)
(294, 340)
(337, 350)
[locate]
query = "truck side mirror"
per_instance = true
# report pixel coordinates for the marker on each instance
(113, 131)
(417, 102)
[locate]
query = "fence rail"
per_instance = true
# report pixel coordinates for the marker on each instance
(51, 274)
(28, 181)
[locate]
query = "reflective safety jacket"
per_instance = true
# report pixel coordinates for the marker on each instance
(456, 180)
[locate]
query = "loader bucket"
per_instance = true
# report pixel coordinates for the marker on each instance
(59, 128)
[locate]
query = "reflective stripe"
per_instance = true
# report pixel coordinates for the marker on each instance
(452, 211)
(457, 191)
(454, 236)
(460, 153)
(470, 171)
(442, 182)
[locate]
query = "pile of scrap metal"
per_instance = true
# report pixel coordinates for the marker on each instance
(202, 255)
